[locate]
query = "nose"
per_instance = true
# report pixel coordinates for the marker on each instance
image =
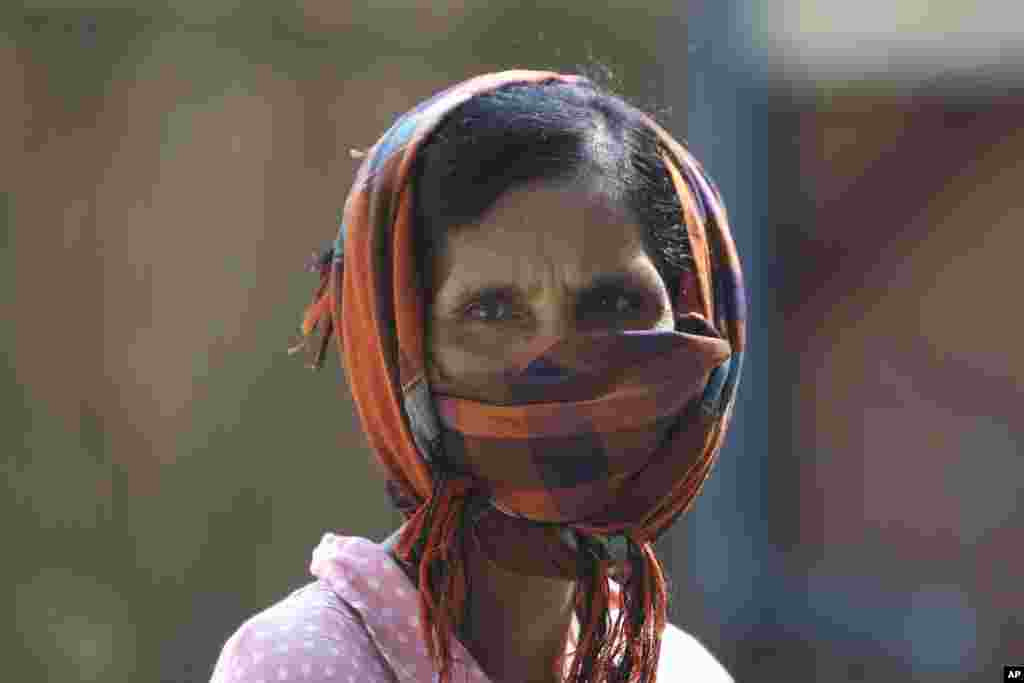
(555, 314)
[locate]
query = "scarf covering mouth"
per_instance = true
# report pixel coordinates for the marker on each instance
(369, 292)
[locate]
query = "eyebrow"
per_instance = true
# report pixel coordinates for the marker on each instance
(626, 280)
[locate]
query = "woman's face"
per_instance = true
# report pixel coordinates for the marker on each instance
(546, 261)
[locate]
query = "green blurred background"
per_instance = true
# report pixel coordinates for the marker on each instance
(166, 168)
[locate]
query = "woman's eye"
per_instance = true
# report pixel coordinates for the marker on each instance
(489, 310)
(618, 303)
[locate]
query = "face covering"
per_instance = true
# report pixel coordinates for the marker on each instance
(594, 426)
(591, 429)
(598, 444)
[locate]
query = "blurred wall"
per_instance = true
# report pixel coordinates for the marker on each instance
(894, 489)
(907, 412)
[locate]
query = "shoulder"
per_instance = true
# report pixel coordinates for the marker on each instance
(309, 636)
(683, 657)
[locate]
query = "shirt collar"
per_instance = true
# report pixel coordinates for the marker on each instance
(368, 579)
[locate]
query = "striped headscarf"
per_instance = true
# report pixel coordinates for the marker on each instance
(369, 291)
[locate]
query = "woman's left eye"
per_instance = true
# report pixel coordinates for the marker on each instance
(616, 302)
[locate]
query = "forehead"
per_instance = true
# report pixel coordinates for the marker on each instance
(576, 229)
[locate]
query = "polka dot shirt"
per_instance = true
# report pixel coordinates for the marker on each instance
(359, 621)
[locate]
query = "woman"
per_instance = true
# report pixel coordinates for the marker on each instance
(541, 320)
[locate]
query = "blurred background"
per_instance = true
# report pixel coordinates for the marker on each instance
(166, 168)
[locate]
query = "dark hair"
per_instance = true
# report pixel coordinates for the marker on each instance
(551, 131)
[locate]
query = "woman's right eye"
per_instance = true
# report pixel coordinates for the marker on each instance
(489, 309)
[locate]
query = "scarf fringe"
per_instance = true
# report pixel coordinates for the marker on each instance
(628, 651)
(321, 310)
(433, 540)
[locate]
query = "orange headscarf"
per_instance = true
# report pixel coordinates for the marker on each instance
(369, 291)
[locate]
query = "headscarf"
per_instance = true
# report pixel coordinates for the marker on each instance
(369, 290)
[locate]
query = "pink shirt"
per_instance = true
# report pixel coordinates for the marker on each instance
(360, 622)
